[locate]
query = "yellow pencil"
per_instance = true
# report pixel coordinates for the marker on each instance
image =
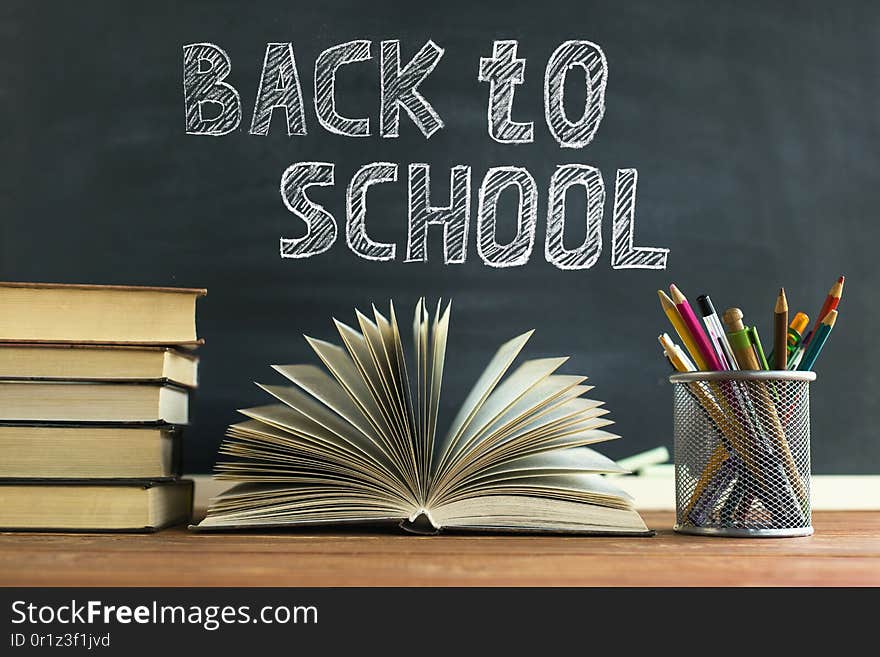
(680, 328)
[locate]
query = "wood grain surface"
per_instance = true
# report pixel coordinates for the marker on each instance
(845, 550)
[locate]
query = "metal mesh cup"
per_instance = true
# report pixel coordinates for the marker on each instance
(742, 453)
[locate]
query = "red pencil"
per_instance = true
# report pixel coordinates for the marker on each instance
(694, 328)
(831, 303)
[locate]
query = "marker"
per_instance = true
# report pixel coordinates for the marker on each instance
(796, 332)
(741, 340)
(694, 328)
(716, 332)
(818, 341)
(780, 332)
(831, 303)
(678, 324)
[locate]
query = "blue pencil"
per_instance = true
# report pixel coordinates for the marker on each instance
(818, 341)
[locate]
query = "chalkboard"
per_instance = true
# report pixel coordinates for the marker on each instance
(753, 127)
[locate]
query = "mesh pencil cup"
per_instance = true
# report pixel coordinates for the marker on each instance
(742, 453)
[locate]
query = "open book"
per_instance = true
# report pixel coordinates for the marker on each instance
(359, 443)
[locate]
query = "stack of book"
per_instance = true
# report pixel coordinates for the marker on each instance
(95, 384)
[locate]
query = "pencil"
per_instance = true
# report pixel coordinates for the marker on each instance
(678, 324)
(676, 356)
(815, 348)
(831, 303)
(694, 328)
(780, 333)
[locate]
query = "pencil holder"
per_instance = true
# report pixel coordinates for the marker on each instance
(742, 453)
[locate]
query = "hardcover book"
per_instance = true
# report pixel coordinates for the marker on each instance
(122, 506)
(109, 314)
(94, 362)
(358, 442)
(78, 401)
(46, 451)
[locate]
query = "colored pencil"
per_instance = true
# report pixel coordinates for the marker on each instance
(816, 344)
(678, 324)
(693, 326)
(831, 303)
(676, 356)
(780, 332)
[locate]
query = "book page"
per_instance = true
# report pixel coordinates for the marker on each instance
(329, 392)
(509, 391)
(579, 434)
(439, 336)
(490, 377)
(267, 451)
(402, 377)
(328, 419)
(271, 429)
(307, 431)
(566, 413)
(337, 360)
(379, 356)
(292, 495)
(279, 464)
(556, 387)
(500, 512)
(585, 433)
(587, 486)
(272, 505)
(550, 418)
(534, 468)
(560, 461)
(577, 487)
(368, 353)
(420, 344)
(359, 351)
(381, 338)
(389, 340)
(543, 435)
(545, 396)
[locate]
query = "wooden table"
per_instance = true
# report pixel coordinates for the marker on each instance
(845, 550)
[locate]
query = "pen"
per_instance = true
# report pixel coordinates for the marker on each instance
(741, 340)
(716, 332)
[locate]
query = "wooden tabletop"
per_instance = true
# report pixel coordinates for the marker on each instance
(845, 550)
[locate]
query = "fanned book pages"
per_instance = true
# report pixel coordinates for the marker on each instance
(358, 442)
